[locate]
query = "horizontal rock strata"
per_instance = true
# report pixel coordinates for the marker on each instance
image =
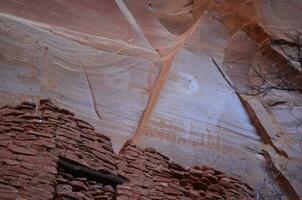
(152, 176)
(47, 153)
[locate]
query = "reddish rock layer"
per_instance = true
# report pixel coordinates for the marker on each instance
(35, 140)
(32, 140)
(152, 176)
(70, 187)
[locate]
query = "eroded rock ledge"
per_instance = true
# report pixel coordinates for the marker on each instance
(47, 153)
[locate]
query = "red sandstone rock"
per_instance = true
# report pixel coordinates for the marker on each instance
(29, 159)
(78, 185)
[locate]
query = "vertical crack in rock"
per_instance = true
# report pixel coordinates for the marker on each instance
(46, 71)
(131, 20)
(266, 138)
(281, 179)
(91, 91)
(224, 76)
(50, 154)
(259, 127)
(162, 77)
(33, 139)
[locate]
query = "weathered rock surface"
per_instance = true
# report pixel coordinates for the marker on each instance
(164, 73)
(47, 153)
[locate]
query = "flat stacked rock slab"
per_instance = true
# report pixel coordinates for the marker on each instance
(152, 176)
(47, 153)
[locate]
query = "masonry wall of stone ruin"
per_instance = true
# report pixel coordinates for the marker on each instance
(47, 153)
(204, 82)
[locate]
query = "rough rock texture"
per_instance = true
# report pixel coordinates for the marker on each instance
(35, 141)
(152, 176)
(175, 75)
(70, 187)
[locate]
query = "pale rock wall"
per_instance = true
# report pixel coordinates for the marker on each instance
(158, 72)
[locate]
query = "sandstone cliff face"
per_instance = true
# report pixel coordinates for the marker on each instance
(47, 153)
(177, 75)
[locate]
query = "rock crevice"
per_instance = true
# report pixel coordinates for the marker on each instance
(47, 153)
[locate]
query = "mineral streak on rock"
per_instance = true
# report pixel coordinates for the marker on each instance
(49, 154)
(179, 76)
